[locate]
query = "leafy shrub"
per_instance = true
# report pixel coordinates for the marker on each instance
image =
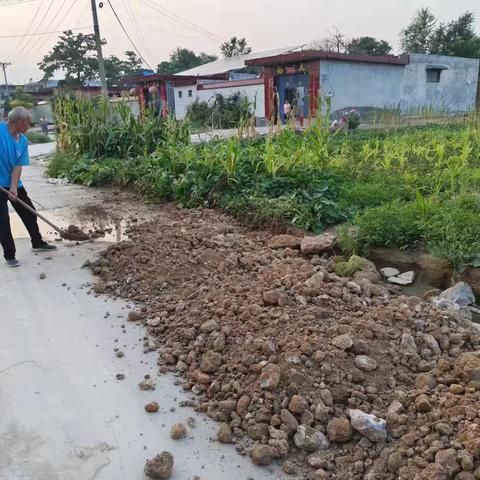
(348, 269)
(36, 137)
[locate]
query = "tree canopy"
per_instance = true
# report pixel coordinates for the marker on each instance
(425, 34)
(75, 55)
(116, 68)
(183, 59)
(234, 47)
(368, 46)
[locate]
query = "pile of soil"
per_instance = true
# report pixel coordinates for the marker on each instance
(334, 377)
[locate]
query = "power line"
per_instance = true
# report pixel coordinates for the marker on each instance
(128, 36)
(43, 33)
(36, 30)
(133, 20)
(27, 31)
(182, 21)
(7, 3)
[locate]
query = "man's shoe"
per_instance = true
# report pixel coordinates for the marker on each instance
(12, 262)
(44, 247)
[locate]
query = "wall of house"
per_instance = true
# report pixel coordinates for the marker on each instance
(254, 93)
(368, 86)
(360, 85)
(454, 93)
(182, 103)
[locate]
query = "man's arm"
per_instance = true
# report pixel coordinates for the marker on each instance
(16, 172)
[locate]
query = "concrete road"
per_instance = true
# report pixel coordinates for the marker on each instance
(63, 413)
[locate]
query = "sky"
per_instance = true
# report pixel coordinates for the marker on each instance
(159, 26)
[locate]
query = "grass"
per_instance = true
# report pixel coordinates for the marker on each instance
(402, 187)
(37, 137)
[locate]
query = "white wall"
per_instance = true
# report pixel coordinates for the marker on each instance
(181, 104)
(252, 92)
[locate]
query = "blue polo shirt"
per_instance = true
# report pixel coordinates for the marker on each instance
(13, 153)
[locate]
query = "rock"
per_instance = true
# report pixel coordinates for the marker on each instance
(224, 434)
(119, 354)
(422, 403)
(270, 377)
(147, 384)
(425, 381)
(395, 460)
(211, 362)
(160, 467)
(100, 287)
(262, 455)
(365, 363)
(242, 405)
(354, 287)
(258, 431)
(297, 404)
(467, 367)
(134, 316)
(320, 474)
(388, 272)
(191, 422)
(178, 431)
(209, 326)
(310, 439)
(431, 343)
(289, 420)
(318, 244)
(408, 345)
(284, 241)
(368, 425)
(407, 276)
(339, 430)
(271, 297)
(343, 342)
(120, 376)
(448, 460)
(316, 280)
(151, 407)
(461, 294)
(399, 281)
(42, 276)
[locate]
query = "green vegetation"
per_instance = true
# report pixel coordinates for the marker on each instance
(403, 188)
(37, 137)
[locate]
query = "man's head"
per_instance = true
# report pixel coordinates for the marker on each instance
(19, 118)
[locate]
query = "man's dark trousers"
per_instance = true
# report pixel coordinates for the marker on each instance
(28, 219)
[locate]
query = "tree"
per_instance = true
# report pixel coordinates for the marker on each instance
(115, 69)
(75, 55)
(457, 38)
(335, 42)
(368, 46)
(21, 99)
(184, 59)
(234, 47)
(416, 37)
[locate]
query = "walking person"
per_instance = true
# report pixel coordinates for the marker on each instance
(287, 109)
(13, 157)
(44, 125)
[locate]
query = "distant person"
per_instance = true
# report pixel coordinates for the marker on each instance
(13, 157)
(287, 110)
(44, 125)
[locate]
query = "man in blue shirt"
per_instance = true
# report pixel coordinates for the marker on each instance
(14, 156)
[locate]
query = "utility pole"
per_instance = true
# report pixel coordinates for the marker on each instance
(98, 41)
(4, 66)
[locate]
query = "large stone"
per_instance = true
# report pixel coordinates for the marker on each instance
(461, 294)
(310, 439)
(289, 420)
(211, 362)
(363, 362)
(270, 377)
(339, 430)
(425, 381)
(368, 425)
(160, 467)
(448, 460)
(467, 367)
(271, 297)
(422, 403)
(242, 405)
(263, 455)
(178, 431)
(408, 346)
(224, 434)
(209, 326)
(297, 404)
(343, 342)
(388, 272)
(284, 241)
(318, 244)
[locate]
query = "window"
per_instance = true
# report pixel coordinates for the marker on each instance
(190, 93)
(180, 94)
(433, 75)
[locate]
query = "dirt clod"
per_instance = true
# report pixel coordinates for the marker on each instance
(160, 467)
